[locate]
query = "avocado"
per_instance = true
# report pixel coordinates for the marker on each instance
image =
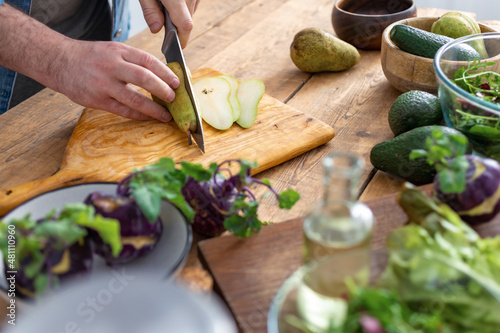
(425, 43)
(392, 156)
(413, 109)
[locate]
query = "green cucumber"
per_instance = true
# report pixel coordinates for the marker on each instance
(425, 44)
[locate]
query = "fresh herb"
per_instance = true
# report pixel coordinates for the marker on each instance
(447, 154)
(483, 126)
(484, 84)
(213, 199)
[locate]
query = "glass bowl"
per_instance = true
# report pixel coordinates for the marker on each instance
(474, 112)
(315, 293)
(300, 307)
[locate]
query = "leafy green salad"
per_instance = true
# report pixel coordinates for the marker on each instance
(441, 276)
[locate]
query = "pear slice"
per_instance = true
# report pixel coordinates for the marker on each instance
(249, 94)
(233, 99)
(212, 94)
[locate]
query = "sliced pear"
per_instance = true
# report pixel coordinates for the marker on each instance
(233, 99)
(212, 94)
(249, 94)
(180, 108)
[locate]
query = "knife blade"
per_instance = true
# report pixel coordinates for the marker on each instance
(172, 50)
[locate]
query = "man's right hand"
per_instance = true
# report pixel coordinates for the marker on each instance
(180, 12)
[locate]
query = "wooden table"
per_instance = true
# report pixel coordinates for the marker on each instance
(247, 39)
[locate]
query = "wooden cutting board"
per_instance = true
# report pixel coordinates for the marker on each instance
(248, 272)
(105, 147)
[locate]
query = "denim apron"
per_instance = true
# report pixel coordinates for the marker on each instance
(121, 26)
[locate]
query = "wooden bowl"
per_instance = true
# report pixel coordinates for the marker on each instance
(361, 22)
(406, 71)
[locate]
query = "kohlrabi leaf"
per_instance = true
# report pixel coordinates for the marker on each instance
(84, 216)
(288, 198)
(447, 154)
(149, 202)
(246, 224)
(66, 231)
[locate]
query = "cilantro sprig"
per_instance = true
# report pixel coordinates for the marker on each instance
(447, 154)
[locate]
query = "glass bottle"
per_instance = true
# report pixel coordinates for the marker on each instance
(340, 222)
(337, 237)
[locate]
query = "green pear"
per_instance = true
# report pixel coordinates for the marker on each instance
(181, 108)
(315, 50)
(470, 19)
(455, 25)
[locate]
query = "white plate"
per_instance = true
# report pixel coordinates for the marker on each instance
(106, 305)
(168, 255)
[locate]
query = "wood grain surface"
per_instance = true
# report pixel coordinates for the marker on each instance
(247, 39)
(248, 272)
(234, 37)
(361, 22)
(105, 147)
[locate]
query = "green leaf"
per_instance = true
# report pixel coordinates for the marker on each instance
(288, 198)
(84, 216)
(149, 201)
(37, 260)
(417, 153)
(245, 224)
(41, 283)
(65, 231)
(266, 181)
(197, 171)
(452, 178)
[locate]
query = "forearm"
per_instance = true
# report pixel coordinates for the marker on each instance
(93, 74)
(29, 47)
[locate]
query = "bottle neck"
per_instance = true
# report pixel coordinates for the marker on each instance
(342, 172)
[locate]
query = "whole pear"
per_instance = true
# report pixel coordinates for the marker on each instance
(315, 50)
(455, 25)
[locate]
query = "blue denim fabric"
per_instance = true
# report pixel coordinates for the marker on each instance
(121, 27)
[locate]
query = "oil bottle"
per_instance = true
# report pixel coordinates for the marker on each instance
(340, 222)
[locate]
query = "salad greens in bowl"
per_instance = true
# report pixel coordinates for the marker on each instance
(469, 91)
(435, 275)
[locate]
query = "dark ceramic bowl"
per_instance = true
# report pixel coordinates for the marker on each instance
(361, 22)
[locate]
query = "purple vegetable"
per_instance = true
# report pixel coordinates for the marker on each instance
(60, 265)
(212, 202)
(480, 201)
(139, 237)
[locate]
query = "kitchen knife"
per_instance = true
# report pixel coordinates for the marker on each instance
(172, 50)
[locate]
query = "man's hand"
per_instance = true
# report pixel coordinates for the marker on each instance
(99, 74)
(180, 12)
(93, 74)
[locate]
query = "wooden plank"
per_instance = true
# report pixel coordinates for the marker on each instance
(248, 272)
